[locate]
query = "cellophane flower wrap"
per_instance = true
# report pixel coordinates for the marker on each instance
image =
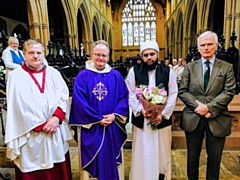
(153, 100)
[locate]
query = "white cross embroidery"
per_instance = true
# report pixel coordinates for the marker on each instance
(100, 91)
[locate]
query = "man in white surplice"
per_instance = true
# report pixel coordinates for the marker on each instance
(36, 134)
(151, 149)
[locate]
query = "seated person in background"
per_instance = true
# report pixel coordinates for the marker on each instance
(180, 69)
(174, 62)
(167, 62)
(179, 64)
(12, 57)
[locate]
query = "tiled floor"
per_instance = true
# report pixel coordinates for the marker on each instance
(230, 167)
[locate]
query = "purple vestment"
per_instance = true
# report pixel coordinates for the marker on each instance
(97, 94)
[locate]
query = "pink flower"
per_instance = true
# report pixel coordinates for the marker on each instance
(138, 92)
(152, 89)
(162, 92)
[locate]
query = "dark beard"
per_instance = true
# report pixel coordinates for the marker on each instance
(152, 66)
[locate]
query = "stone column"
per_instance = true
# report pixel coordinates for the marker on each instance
(34, 30)
(185, 47)
(180, 50)
(46, 36)
(39, 26)
(237, 23)
(228, 21)
(168, 7)
(188, 43)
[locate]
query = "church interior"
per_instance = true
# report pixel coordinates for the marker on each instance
(68, 29)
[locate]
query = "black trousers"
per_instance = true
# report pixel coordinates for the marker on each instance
(214, 148)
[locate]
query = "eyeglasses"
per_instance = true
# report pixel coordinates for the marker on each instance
(151, 54)
(104, 56)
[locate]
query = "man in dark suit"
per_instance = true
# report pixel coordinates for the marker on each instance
(206, 113)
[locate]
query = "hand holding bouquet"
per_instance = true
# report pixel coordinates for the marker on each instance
(153, 101)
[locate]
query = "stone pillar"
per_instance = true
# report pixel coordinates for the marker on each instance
(35, 30)
(180, 50)
(46, 36)
(237, 23)
(70, 40)
(228, 22)
(188, 43)
(43, 19)
(168, 7)
(39, 26)
(227, 29)
(185, 47)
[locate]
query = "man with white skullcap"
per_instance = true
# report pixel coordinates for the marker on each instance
(151, 148)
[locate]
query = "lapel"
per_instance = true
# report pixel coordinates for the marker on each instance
(199, 74)
(215, 69)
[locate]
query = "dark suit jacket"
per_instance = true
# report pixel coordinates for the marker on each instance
(219, 93)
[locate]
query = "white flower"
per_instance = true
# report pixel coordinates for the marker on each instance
(147, 93)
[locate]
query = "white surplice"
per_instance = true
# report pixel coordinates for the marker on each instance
(28, 108)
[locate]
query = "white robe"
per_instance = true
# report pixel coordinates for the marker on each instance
(8, 60)
(151, 149)
(27, 109)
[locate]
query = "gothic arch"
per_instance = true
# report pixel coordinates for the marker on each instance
(96, 28)
(203, 14)
(179, 35)
(110, 38)
(57, 23)
(86, 33)
(193, 25)
(167, 40)
(19, 29)
(110, 43)
(104, 31)
(189, 17)
(216, 18)
(172, 35)
(71, 24)
(118, 15)
(3, 25)
(190, 24)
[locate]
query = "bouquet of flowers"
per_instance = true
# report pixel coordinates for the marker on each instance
(153, 100)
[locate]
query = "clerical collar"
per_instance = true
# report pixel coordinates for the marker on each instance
(90, 66)
(100, 69)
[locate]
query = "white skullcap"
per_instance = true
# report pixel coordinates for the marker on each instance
(148, 45)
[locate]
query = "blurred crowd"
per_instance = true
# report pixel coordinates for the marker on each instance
(177, 66)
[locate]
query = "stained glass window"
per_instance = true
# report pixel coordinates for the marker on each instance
(124, 34)
(138, 22)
